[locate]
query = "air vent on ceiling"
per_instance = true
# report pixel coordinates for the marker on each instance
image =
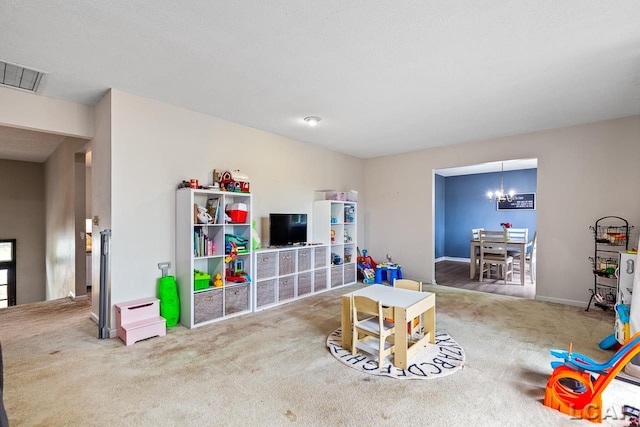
(19, 77)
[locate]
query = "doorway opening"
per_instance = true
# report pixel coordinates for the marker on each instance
(7, 272)
(461, 204)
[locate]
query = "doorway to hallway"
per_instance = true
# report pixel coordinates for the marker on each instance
(7, 272)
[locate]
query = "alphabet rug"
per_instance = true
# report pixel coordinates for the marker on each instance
(433, 361)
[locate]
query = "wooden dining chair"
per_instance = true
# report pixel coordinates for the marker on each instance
(370, 329)
(494, 253)
(416, 326)
(519, 234)
(529, 261)
(492, 235)
(475, 235)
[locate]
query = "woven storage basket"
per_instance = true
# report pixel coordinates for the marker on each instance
(304, 259)
(266, 292)
(287, 262)
(236, 298)
(207, 305)
(336, 276)
(266, 263)
(349, 273)
(304, 283)
(286, 287)
(320, 280)
(320, 257)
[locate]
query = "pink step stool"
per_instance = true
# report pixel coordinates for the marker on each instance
(140, 319)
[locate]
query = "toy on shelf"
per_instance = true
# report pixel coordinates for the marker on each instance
(349, 213)
(588, 379)
(217, 281)
(232, 181)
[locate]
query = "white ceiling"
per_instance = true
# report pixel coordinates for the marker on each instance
(385, 76)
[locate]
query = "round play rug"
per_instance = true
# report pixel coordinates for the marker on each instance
(434, 361)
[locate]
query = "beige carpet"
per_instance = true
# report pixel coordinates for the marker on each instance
(273, 369)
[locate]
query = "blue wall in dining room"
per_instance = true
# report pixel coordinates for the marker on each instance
(439, 211)
(466, 206)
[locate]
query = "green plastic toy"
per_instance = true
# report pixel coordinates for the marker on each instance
(169, 302)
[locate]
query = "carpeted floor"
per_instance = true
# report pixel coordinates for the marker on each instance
(273, 368)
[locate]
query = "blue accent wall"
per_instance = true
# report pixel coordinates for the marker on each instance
(466, 207)
(439, 208)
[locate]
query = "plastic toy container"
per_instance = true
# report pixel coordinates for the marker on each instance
(237, 212)
(200, 280)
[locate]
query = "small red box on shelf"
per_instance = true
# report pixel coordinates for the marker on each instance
(237, 212)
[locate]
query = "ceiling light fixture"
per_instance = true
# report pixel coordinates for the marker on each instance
(312, 120)
(500, 195)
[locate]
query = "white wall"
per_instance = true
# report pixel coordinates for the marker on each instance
(100, 194)
(22, 215)
(60, 194)
(154, 146)
(29, 111)
(584, 172)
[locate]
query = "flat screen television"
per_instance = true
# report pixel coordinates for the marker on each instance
(287, 229)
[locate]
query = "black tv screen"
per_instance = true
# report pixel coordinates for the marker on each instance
(287, 229)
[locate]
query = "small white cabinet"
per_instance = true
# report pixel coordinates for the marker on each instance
(334, 224)
(290, 273)
(201, 247)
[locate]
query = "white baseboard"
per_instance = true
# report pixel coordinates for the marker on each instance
(112, 332)
(454, 259)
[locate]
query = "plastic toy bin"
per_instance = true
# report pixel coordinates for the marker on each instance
(237, 212)
(200, 280)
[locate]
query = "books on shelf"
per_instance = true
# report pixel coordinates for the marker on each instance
(202, 245)
(213, 206)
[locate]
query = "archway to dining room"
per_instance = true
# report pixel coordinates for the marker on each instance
(461, 204)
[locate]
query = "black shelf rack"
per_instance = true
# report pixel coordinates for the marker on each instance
(610, 236)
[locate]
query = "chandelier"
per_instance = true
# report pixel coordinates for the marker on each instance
(500, 195)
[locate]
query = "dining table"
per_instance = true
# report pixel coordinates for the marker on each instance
(520, 245)
(407, 305)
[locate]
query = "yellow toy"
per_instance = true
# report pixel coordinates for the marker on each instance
(217, 282)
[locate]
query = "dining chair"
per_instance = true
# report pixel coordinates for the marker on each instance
(414, 327)
(492, 235)
(494, 253)
(529, 259)
(475, 235)
(520, 235)
(370, 329)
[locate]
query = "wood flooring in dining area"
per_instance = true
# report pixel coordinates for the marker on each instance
(456, 275)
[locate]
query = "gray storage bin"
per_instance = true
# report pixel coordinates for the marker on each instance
(320, 280)
(265, 292)
(266, 263)
(304, 283)
(336, 276)
(320, 257)
(287, 262)
(236, 298)
(304, 259)
(207, 305)
(286, 288)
